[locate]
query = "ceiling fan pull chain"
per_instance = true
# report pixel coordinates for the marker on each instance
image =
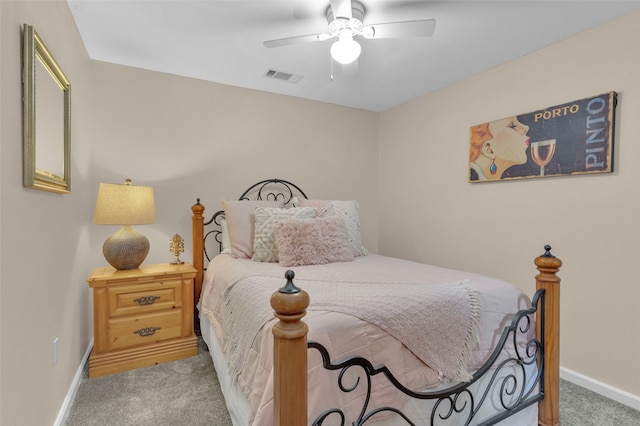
(331, 60)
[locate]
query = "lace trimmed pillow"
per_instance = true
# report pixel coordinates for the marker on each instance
(312, 241)
(224, 237)
(264, 242)
(348, 211)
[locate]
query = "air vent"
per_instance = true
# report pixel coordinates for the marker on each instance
(283, 76)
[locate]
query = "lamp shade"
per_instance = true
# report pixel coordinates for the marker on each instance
(124, 205)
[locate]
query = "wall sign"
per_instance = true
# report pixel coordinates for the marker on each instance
(572, 138)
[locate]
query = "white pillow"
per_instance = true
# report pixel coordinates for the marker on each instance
(224, 237)
(264, 240)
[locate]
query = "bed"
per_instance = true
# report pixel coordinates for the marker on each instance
(384, 341)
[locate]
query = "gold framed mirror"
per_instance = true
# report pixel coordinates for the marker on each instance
(46, 118)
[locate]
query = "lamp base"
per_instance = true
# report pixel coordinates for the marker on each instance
(126, 249)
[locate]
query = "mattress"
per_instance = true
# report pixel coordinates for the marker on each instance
(249, 389)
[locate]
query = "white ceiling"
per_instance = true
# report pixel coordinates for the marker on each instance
(221, 41)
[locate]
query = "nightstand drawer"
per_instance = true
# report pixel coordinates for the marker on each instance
(144, 329)
(140, 299)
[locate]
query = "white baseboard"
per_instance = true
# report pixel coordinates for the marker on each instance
(603, 389)
(71, 394)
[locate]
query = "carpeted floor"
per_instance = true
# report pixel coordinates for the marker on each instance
(581, 407)
(190, 395)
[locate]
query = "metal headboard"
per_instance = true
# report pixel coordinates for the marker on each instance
(268, 189)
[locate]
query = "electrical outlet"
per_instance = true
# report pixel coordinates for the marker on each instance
(55, 351)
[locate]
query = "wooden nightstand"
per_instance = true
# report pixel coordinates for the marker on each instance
(141, 317)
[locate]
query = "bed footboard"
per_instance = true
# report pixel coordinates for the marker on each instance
(290, 362)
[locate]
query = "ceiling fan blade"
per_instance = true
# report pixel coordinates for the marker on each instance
(420, 28)
(341, 8)
(295, 40)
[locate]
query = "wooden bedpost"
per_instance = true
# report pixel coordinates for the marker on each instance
(290, 355)
(197, 232)
(549, 408)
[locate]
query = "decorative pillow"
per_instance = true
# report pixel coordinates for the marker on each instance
(312, 241)
(224, 237)
(348, 211)
(240, 221)
(264, 241)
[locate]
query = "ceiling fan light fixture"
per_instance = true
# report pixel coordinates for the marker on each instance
(345, 50)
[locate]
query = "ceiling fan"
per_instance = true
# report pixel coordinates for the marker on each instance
(346, 21)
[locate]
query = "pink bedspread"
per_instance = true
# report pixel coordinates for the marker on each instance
(235, 290)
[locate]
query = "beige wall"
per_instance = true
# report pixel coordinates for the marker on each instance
(1, 238)
(429, 212)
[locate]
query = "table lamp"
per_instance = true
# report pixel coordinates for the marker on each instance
(125, 205)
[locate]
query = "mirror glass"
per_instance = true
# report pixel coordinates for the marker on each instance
(46, 118)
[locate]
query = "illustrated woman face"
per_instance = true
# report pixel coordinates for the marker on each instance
(510, 140)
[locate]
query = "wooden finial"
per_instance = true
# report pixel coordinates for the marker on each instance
(197, 208)
(290, 302)
(548, 265)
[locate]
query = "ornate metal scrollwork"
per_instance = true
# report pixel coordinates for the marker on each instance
(146, 300)
(273, 189)
(147, 331)
(506, 381)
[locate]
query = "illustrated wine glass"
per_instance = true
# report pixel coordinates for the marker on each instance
(542, 152)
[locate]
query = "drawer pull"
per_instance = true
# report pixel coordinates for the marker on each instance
(147, 331)
(146, 300)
